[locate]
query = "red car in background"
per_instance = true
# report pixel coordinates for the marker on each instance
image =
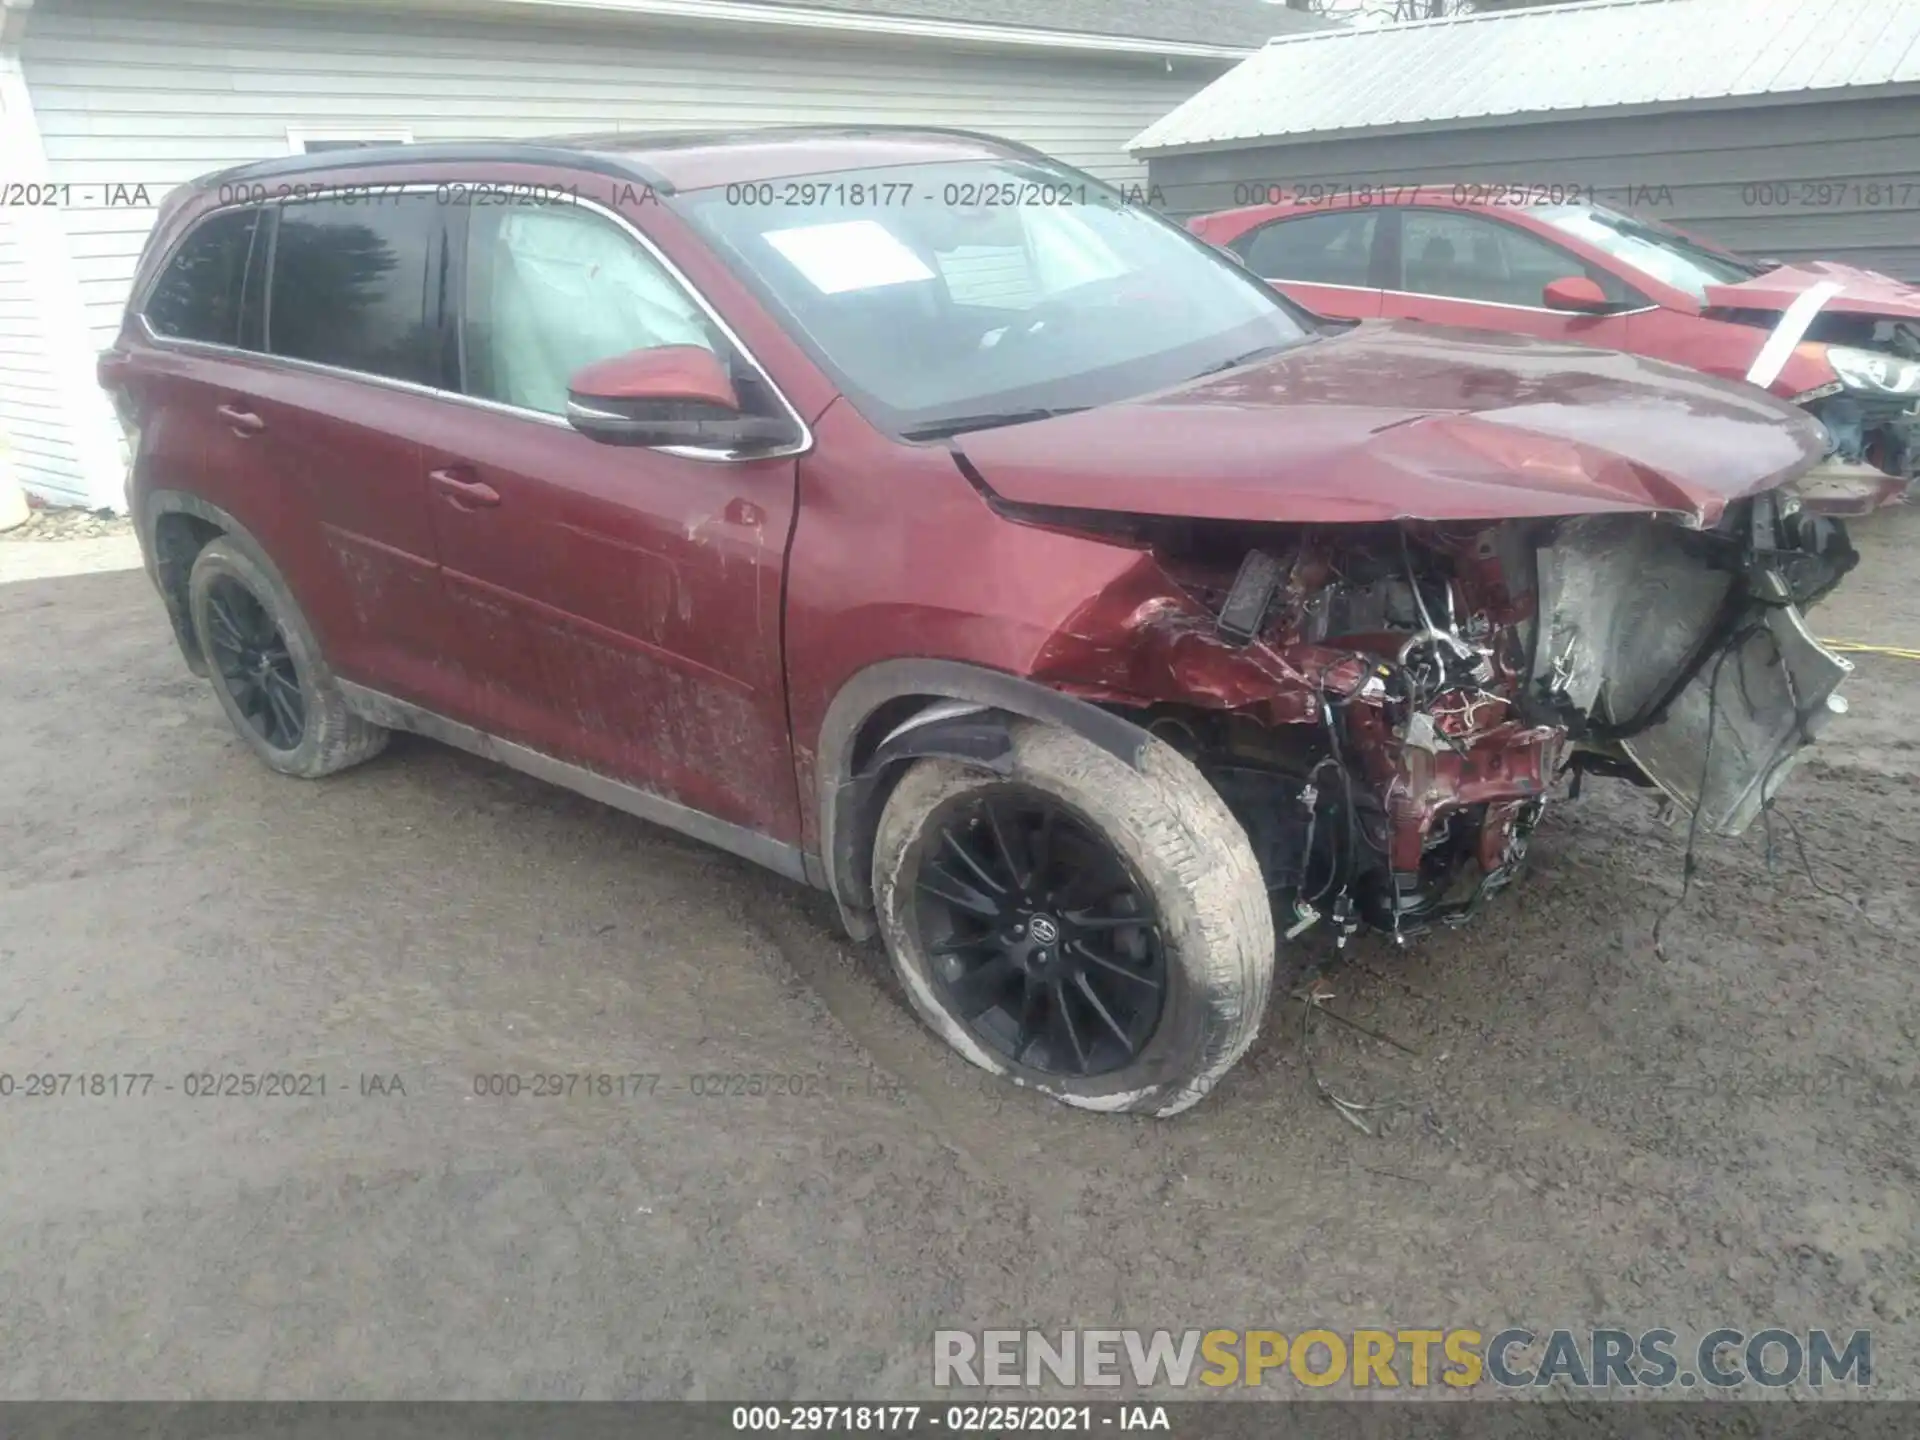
(1842, 342)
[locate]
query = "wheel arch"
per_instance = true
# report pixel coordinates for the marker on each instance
(902, 710)
(175, 527)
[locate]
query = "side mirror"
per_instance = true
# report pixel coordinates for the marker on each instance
(1578, 294)
(666, 396)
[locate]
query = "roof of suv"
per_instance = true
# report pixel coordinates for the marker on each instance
(669, 160)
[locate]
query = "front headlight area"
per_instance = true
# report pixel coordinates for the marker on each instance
(1870, 372)
(1870, 410)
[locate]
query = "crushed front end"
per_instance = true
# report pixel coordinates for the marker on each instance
(1867, 400)
(1386, 707)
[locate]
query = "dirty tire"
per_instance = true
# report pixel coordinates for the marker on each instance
(333, 737)
(1194, 861)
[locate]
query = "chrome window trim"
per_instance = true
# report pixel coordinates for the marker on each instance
(685, 452)
(1323, 284)
(1534, 309)
(1460, 300)
(574, 407)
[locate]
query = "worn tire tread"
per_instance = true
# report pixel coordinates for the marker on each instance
(1165, 811)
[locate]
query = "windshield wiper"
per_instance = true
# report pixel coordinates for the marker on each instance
(1247, 359)
(960, 424)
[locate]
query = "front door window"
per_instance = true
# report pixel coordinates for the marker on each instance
(550, 290)
(1472, 257)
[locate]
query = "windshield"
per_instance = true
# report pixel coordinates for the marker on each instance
(1648, 246)
(948, 297)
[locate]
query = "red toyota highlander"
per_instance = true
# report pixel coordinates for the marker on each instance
(1547, 261)
(914, 515)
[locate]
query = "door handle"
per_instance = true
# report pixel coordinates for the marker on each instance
(242, 422)
(462, 490)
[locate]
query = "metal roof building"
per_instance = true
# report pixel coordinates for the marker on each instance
(1786, 127)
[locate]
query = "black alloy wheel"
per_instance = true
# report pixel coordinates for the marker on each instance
(253, 662)
(1043, 942)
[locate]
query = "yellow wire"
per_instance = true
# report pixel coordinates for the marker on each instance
(1859, 648)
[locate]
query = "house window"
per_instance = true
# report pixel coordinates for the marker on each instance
(315, 142)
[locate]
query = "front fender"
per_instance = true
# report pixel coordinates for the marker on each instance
(965, 718)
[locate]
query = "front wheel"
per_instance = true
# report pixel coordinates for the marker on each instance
(1098, 932)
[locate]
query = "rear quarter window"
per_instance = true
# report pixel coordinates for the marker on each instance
(197, 296)
(356, 285)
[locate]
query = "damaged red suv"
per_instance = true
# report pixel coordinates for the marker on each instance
(914, 515)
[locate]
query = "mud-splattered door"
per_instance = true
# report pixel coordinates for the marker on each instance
(619, 608)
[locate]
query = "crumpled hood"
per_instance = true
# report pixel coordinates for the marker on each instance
(1391, 420)
(1863, 292)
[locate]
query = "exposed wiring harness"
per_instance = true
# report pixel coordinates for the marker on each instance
(1860, 647)
(1689, 864)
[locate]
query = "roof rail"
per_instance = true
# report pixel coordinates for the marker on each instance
(605, 152)
(674, 139)
(375, 157)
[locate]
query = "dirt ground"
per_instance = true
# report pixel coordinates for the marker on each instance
(66, 540)
(1587, 1133)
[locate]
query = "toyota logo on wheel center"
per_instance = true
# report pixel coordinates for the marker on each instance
(1043, 930)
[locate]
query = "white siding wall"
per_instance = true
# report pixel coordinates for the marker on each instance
(32, 411)
(154, 94)
(61, 438)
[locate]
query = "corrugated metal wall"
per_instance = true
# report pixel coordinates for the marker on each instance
(1836, 180)
(145, 94)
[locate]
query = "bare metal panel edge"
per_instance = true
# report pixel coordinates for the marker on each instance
(783, 859)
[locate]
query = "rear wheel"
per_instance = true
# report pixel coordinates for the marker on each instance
(267, 670)
(1098, 932)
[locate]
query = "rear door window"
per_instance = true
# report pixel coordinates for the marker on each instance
(197, 296)
(1331, 249)
(357, 285)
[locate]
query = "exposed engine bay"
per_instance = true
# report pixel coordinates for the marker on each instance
(1386, 707)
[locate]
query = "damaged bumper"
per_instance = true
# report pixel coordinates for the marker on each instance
(1724, 749)
(1867, 398)
(1873, 454)
(1386, 707)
